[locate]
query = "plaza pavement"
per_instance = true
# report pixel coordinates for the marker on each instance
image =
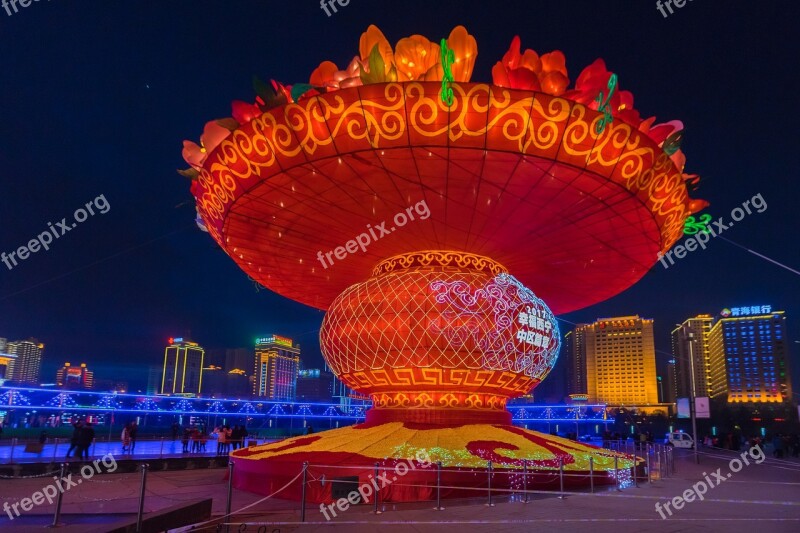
(759, 496)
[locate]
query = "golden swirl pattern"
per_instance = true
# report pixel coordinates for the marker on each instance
(438, 400)
(411, 114)
(439, 258)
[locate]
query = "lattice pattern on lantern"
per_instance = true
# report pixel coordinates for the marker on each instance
(439, 317)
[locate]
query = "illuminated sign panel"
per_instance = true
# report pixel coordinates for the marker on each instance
(275, 339)
(746, 311)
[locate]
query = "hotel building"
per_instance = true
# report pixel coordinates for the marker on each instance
(618, 355)
(277, 365)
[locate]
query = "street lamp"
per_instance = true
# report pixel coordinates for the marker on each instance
(690, 338)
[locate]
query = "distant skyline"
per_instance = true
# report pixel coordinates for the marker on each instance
(96, 101)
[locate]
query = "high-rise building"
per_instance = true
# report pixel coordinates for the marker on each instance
(749, 356)
(74, 377)
(277, 363)
(6, 361)
(620, 361)
(692, 333)
(670, 381)
(314, 385)
(28, 362)
(183, 368)
(574, 350)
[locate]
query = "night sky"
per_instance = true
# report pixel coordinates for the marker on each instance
(96, 98)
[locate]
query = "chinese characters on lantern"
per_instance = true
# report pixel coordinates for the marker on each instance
(536, 328)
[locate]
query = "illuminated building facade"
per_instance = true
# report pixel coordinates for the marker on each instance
(749, 356)
(276, 369)
(696, 331)
(620, 360)
(6, 361)
(28, 363)
(183, 368)
(74, 377)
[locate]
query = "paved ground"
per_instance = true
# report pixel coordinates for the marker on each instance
(759, 495)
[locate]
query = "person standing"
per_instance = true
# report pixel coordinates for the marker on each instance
(132, 433)
(73, 442)
(126, 438)
(85, 440)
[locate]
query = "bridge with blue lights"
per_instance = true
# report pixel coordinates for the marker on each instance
(21, 405)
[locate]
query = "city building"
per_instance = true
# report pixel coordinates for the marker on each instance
(28, 362)
(277, 364)
(573, 350)
(6, 361)
(183, 368)
(749, 356)
(690, 344)
(670, 381)
(74, 377)
(315, 385)
(618, 355)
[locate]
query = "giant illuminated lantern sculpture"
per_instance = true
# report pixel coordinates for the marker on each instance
(417, 208)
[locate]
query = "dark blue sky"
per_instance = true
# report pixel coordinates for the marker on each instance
(96, 97)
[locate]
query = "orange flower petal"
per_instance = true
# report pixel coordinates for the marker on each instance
(369, 39)
(323, 73)
(465, 48)
(414, 56)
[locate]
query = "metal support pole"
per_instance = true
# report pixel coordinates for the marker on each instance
(616, 470)
(561, 474)
(140, 515)
(303, 493)
(591, 474)
(489, 474)
(633, 471)
(55, 448)
(525, 478)
(672, 459)
(649, 463)
(59, 498)
(229, 499)
(13, 445)
(161, 451)
(439, 486)
(377, 491)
